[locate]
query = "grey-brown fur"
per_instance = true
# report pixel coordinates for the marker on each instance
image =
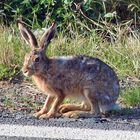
(69, 76)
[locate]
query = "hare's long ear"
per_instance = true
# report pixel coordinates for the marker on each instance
(47, 36)
(27, 34)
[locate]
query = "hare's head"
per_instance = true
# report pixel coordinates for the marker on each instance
(36, 60)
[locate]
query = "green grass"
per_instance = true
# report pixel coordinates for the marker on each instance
(123, 55)
(131, 96)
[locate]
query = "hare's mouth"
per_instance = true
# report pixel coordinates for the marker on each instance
(27, 73)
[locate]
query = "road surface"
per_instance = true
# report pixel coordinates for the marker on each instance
(22, 127)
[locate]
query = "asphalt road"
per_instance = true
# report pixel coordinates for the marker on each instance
(20, 126)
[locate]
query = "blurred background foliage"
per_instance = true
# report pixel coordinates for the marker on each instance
(81, 15)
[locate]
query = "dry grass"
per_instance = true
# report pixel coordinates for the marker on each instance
(11, 49)
(123, 55)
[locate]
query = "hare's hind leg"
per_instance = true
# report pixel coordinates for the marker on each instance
(73, 107)
(92, 110)
(75, 111)
(94, 104)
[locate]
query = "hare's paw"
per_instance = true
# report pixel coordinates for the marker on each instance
(49, 115)
(64, 108)
(80, 114)
(38, 114)
(72, 114)
(44, 116)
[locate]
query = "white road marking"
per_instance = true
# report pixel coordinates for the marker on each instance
(67, 133)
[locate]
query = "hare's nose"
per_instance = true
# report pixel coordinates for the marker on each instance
(25, 71)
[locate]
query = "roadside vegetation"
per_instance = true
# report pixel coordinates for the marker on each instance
(108, 30)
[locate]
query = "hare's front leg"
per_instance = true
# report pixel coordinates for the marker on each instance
(58, 99)
(45, 107)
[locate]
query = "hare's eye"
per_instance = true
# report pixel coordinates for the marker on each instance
(37, 59)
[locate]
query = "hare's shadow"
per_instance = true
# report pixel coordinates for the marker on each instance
(123, 113)
(126, 113)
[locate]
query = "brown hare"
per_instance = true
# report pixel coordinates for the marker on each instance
(82, 77)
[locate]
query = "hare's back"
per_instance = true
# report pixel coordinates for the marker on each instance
(87, 69)
(85, 64)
